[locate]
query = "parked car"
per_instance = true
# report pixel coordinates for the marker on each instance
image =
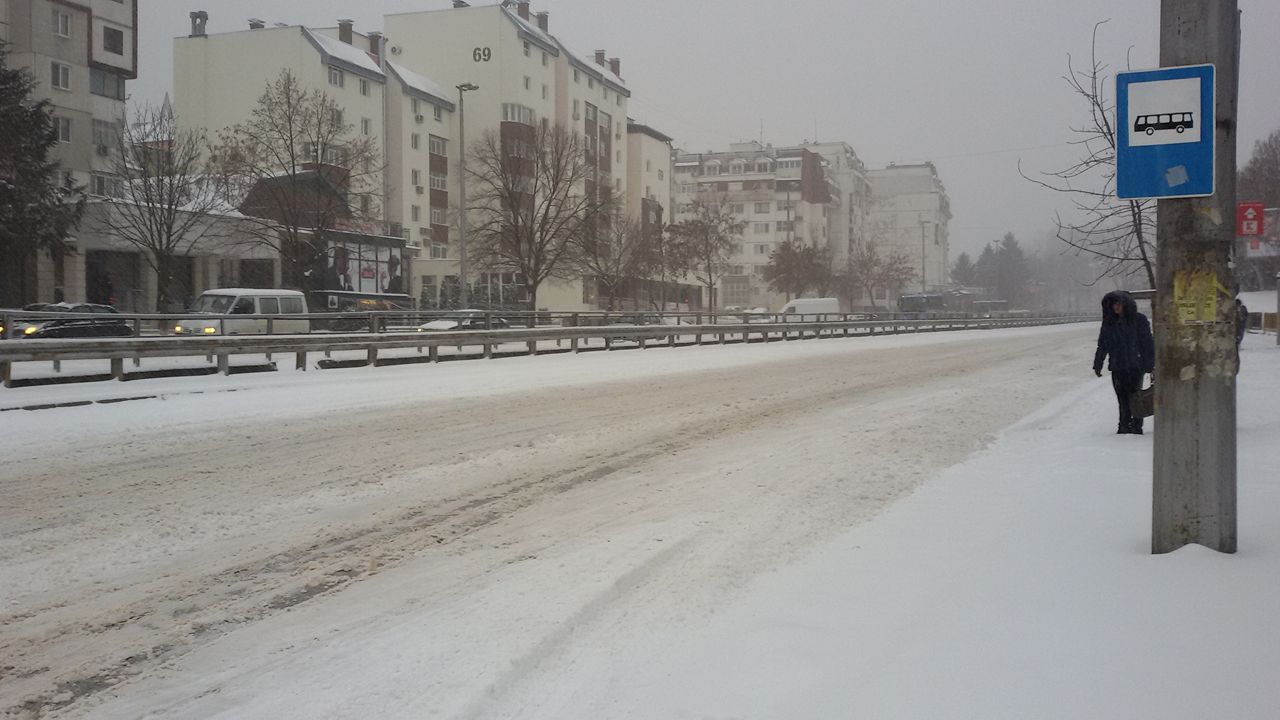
(464, 320)
(86, 327)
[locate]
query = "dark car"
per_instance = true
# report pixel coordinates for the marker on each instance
(74, 327)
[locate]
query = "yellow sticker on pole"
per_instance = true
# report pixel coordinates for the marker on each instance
(1195, 293)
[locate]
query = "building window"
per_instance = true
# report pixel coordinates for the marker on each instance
(544, 91)
(414, 141)
(527, 82)
(104, 133)
(511, 112)
(439, 182)
(648, 165)
(366, 126)
(619, 101)
(415, 177)
(336, 78)
(763, 207)
(61, 23)
(106, 84)
(591, 83)
(762, 228)
(113, 41)
(364, 87)
(417, 107)
(527, 52)
(761, 249)
(784, 225)
(64, 129)
(61, 75)
(575, 75)
(439, 112)
(415, 213)
(437, 216)
(736, 208)
(544, 58)
(439, 252)
(662, 175)
(438, 146)
(335, 116)
(106, 186)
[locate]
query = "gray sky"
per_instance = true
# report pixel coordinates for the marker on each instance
(974, 85)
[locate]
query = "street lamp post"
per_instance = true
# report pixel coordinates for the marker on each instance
(924, 287)
(463, 291)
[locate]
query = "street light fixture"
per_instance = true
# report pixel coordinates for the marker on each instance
(463, 294)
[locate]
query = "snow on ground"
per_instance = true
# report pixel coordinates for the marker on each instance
(796, 530)
(1259, 301)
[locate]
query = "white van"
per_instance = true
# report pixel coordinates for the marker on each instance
(811, 310)
(238, 311)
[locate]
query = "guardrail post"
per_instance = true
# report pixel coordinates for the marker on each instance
(372, 358)
(433, 353)
(643, 344)
(8, 326)
(488, 351)
(6, 367)
(224, 364)
(373, 322)
(533, 347)
(57, 366)
(301, 361)
(117, 368)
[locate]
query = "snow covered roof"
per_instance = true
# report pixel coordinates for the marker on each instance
(532, 32)
(341, 53)
(421, 85)
(601, 72)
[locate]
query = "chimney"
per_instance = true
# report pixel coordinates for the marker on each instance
(600, 57)
(544, 21)
(461, 3)
(344, 30)
(256, 24)
(375, 44)
(522, 8)
(615, 64)
(199, 19)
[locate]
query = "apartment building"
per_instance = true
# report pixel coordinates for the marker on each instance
(82, 54)
(782, 194)
(649, 176)
(910, 212)
(852, 202)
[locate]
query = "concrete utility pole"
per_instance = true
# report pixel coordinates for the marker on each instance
(464, 298)
(1195, 441)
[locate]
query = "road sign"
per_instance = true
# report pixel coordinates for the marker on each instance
(1164, 133)
(1249, 219)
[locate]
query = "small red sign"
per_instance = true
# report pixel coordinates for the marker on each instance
(1249, 219)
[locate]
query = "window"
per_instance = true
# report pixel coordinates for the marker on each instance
(414, 141)
(106, 84)
(438, 146)
(415, 213)
(619, 102)
(439, 252)
(591, 83)
(64, 129)
(366, 126)
(661, 175)
(336, 78)
(762, 228)
(711, 170)
(575, 108)
(763, 207)
(544, 91)
(335, 116)
(105, 185)
(61, 76)
(437, 216)
(439, 182)
(784, 225)
(788, 205)
(291, 306)
(736, 208)
(415, 177)
(575, 75)
(104, 133)
(761, 249)
(364, 87)
(439, 112)
(527, 82)
(61, 23)
(544, 58)
(526, 48)
(511, 112)
(417, 107)
(113, 41)
(269, 306)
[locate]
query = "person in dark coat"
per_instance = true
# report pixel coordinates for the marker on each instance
(1125, 338)
(1242, 322)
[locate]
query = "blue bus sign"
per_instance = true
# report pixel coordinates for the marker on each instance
(1164, 133)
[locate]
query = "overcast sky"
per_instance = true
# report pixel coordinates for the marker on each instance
(973, 85)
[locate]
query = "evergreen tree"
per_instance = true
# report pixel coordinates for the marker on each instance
(38, 208)
(1012, 272)
(963, 272)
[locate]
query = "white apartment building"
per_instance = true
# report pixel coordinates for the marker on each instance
(782, 194)
(851, 213)
(650, 162)
(407, 112)
(82, 54)
(910, 212)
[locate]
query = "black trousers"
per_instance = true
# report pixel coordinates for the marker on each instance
(1126, 382)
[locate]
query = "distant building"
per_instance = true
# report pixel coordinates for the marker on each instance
(910, 213)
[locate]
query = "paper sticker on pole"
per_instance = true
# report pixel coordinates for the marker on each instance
(1164, 133)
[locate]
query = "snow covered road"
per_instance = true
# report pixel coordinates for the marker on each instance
(450, 542)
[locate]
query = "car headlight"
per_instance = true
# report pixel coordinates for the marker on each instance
(210, 331)
(177, 328)
(30, 330)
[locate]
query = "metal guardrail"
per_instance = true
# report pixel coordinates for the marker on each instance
(222, 348)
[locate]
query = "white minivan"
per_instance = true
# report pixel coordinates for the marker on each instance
(243, 311)
(811, 310)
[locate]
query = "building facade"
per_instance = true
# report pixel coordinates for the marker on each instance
(910, 213)
(781, 194)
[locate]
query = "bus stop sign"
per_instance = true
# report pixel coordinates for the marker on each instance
(1164, 133)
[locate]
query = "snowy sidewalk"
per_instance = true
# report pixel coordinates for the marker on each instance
(1018, 585)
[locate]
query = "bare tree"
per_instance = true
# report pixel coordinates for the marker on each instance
(708, 238)
(870, 269)
(665, 260)
(535, 202)
(1121, 233)
(168, 199)
(613, 254)
(298, 171)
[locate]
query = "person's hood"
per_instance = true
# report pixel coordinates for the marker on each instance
(1130, 305)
